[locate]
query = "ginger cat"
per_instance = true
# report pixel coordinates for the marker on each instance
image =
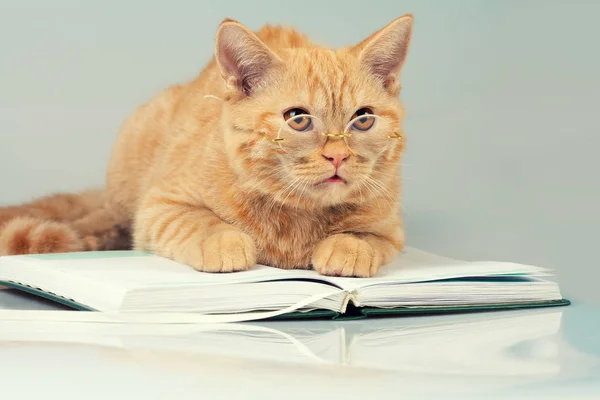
(281, 152)
(61, 223)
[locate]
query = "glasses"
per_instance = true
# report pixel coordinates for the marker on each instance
(304, 128)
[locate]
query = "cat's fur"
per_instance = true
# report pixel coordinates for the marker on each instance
(62, 223)
(204, 187)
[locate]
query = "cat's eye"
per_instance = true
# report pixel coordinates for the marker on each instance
(298, 119)
(363, 119)
(316, 133)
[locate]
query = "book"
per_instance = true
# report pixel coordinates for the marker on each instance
(139, 286)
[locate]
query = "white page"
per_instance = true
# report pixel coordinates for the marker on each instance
(140, 270)
(414, 265)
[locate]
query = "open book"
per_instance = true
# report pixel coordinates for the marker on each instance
(144, 287)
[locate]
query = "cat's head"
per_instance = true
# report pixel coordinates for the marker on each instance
(308, 124)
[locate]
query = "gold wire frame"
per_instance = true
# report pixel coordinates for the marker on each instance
(344, 136)
(395, 135)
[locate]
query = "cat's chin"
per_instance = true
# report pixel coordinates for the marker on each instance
(333, 180)
(335, 183)
(333, 190)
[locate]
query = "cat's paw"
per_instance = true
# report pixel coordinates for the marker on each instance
(227, 251)
(346, 255)
(27, 235)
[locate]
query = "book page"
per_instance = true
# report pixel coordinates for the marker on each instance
(134, 270)
(414, 265)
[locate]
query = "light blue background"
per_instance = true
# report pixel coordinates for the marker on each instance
(502, 100)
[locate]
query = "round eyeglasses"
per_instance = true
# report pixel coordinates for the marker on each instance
(305, 127)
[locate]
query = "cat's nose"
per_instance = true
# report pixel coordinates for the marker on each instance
(336, 158)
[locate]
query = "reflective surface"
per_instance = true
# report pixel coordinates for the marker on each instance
(550, 353)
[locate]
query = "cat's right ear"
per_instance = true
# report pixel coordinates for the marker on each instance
(242, 57)
(384, 52)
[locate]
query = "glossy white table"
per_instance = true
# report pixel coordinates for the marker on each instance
(549, 353)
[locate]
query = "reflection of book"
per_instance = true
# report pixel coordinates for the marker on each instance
(140, 285)
(451, 345)
(463, 347)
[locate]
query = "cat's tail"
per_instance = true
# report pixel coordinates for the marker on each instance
(62, 223)
(32, 235)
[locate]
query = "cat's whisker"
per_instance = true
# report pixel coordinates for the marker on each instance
(294, 186)
(278, 194)
(385, 191)
(362, 195)
(301, 188)
(299, 197)
(266, 178)
(381, 189)
(393, 163)
(380, 184)
(365, 184)
(283, 194)
(392, 175)
(373, 192)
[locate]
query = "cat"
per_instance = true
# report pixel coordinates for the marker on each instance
(281, 152)
(61, 223)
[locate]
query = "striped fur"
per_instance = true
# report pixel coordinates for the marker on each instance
(62, 223)
(202, 186)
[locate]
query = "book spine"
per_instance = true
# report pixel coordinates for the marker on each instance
(351, 296)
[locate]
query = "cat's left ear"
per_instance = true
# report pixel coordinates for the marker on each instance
(384, 52)
(242, 57)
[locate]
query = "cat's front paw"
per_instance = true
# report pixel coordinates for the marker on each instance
(346, 255)
(227, 251)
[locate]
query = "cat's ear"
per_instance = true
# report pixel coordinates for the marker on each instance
(384, 52)
(242, 57)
